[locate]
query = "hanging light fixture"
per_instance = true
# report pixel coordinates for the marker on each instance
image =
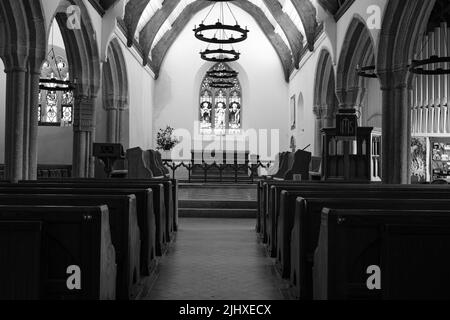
(55, 90)
(55, 67)
(55, 72)
(222, 74)
(434, 65)
(366, 72)
(221, 84)
(220, 55)
(221, 32)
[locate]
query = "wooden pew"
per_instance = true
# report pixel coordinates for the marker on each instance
(170, 194)
(20, 254)
(71, 236)
(152, 242)
(123, 224)
(410, 247)
(299, 243)
(272, 205)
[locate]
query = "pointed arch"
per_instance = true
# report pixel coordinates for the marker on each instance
(325, 101)
(357, 50)
(84, 64)
(116, 95)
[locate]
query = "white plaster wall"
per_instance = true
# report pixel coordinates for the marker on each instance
(141, 87)
(265, 91)
(302, 82)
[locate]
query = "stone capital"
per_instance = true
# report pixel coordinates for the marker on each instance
(84, 113)
(391, 80)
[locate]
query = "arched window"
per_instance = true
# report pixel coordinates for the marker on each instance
(55, 106)
(220, 109)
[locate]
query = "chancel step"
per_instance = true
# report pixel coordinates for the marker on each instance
(216, 204)
(216, 213)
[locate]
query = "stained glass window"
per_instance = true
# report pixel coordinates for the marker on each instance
(55, 106)
(205, 110)
(220, 108)
(51, 114)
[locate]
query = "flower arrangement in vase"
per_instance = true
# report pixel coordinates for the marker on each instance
(166, 141)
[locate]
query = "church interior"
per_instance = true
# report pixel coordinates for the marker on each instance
(224, 150)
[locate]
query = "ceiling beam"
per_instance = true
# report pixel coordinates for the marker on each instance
(133, 13)
(292, 33)
(284, 52)
(160, 50)
(332, 6)
(148, 33)
(307, 13)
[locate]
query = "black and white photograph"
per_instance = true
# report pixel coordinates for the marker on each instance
(228, 157)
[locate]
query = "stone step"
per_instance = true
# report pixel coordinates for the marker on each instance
(216, 213)
(217, 204)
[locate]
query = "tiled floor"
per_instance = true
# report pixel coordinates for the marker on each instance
(216, 259)
(236, 192)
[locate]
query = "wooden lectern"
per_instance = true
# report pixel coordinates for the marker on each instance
(351, 153)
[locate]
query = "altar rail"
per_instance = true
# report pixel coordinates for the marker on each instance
(46, 171)
(218, 172)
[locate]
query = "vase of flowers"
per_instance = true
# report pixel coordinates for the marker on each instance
(166, 141)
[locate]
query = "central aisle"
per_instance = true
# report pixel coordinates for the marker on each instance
(216, 259)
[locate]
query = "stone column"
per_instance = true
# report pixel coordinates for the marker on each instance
(84, 129)
(111, 121)
(32, 117)
(15, 105)
(396, 138)
(318, 136)
(122, 135)
(328, 114)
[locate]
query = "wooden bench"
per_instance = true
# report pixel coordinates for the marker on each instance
(410, 247)
(123, 224)
(20, 253)
(152, 242)
(70, 236)
(272, 211)
(299, 243)
(170, 193)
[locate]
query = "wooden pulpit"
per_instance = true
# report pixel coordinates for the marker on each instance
(356, 159)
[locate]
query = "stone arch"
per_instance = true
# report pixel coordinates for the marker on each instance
(84, 65)
(357, 50)
(401, 29)
(22, 49)
(116, 95)
(325, 101)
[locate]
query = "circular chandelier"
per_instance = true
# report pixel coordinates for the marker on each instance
(55, 80)
(366, 72)
(221, 84)
(222, 74)
(221, 32)
(220, 55)
(434, 64)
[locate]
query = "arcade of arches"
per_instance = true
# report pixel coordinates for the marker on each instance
(134, 69)
(130, 80)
